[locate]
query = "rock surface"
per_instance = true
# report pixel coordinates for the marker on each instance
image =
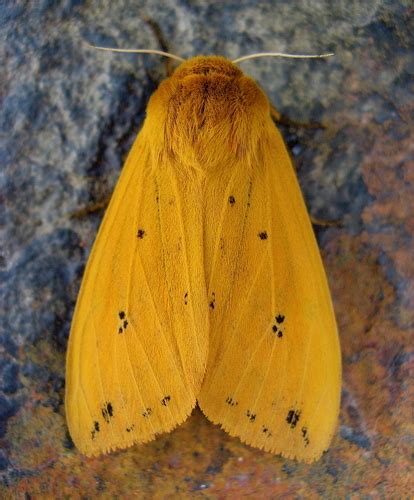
(68, 117)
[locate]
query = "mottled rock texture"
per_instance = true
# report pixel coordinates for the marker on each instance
(68, 117)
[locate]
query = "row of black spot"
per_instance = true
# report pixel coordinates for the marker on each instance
(276, 328)
(292, 419)
(279, 319)
(211, 304)
(232, 200)
(124, 322)
(262, 234)
(108, 412)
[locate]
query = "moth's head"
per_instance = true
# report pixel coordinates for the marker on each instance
(208, 66)
(209, 111)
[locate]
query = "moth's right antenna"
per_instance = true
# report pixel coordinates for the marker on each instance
(281, 54)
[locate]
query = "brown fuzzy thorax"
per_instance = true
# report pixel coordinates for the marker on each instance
(207, 114)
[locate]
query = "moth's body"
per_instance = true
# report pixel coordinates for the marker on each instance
(207, 253)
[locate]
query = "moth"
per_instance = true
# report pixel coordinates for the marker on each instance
(205, 284)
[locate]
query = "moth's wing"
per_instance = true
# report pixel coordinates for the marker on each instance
(274, 371)
(138, 344)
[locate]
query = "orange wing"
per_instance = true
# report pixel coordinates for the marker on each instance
(138, 344)
(274, 371)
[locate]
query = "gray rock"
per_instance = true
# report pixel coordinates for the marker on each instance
(69, 115)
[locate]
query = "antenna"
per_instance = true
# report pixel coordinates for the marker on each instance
(137, 51)
(281, 54)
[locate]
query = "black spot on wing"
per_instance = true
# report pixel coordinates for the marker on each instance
(293, 417)
(141, 234)
(305, 436)
(110, 409)
(231, 402)
(280, 318)
(107, 412)
(251, 416)
(262, 235)
(131, 428)
(95, 429)
(165, 400)
(232, 200)
(212, 303)
(147, 412)
(186, 298)
(249, 194)
(222, 246)
(124, 322)
(277, 326)
(266, 431)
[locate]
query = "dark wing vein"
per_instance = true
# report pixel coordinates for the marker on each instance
(310, 332)
(119, 385)
(100, 374)
(272, 285)
(133, 259)
(87, 406)
(183, 235)
(219, 231)
(130, 265)
(157, 318)
(171, 323)
(269, 363)
(98, 265)
(220, 226)
(240, 379)
(237, 257)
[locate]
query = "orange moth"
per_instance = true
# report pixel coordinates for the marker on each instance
(205, 283)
